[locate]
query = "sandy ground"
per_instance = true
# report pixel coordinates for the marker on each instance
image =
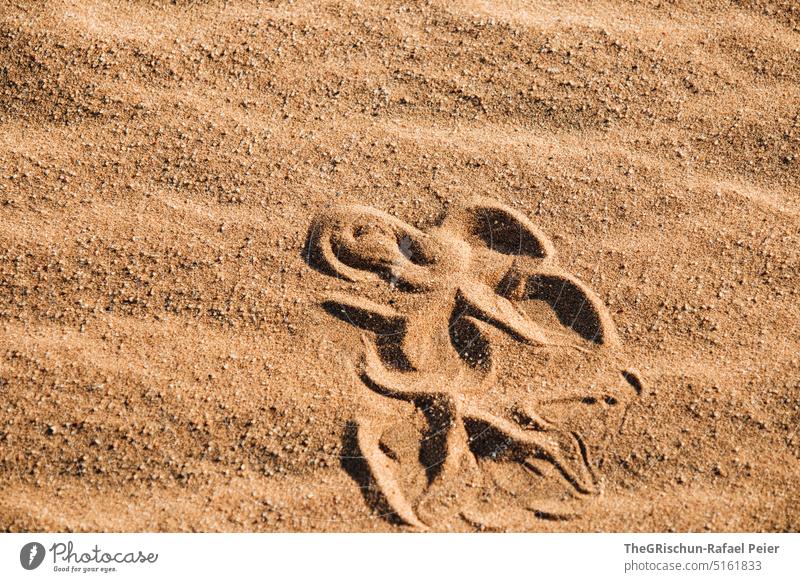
(246, 283)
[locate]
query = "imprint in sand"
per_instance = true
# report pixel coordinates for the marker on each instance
(454, 451)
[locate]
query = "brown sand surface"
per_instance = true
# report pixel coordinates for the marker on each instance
(400, 265)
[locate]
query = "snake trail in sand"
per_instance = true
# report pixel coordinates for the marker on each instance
(466, 285)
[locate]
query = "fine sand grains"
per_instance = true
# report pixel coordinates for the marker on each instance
(399, 265)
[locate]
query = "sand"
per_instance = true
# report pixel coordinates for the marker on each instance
(384, 266)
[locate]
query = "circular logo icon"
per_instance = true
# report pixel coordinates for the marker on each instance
(31, 555)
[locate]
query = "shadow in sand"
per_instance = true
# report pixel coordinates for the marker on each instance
(354, 464)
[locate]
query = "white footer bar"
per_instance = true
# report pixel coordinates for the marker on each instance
(407, 557)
